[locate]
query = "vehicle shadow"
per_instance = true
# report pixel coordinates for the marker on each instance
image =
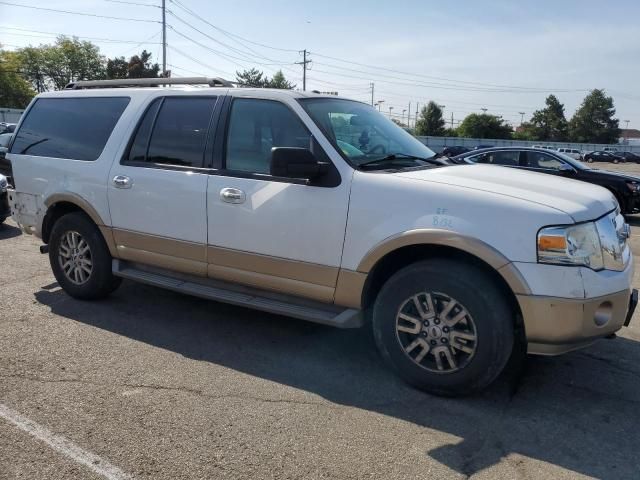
(579, 412)
(9, 231)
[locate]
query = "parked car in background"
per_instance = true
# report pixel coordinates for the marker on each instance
(610, 149)
(478, 147)
(5, 165)
(626, 188)
(571, 152)
(629, 156)
(7, 127)
(544, 147)
(452, 151)
(5, 209)
(602, 156)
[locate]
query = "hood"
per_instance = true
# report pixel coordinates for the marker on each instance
(582, 201)
(611, 174)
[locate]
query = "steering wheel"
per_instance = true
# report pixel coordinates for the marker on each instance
(377, 147)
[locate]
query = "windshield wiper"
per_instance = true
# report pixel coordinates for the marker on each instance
(393, 157)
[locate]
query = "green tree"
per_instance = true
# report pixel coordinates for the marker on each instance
(279, 81)
(431, 121)
(526, 131)
(138, 66)
(593, 122)
(69, 59)
(15, 91)
(484, 126)
(549, 123)
(251, 78)
(117, 67)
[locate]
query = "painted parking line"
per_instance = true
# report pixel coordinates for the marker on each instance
(64, 446)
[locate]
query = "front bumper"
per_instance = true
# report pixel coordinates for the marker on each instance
(558, 325)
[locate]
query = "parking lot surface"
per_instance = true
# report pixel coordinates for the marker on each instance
(155, 385)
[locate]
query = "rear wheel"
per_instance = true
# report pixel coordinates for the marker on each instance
(80, 258)
(439, 331)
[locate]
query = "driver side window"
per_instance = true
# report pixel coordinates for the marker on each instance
(543, 160)
(256, 126)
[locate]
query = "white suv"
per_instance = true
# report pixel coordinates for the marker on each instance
(319, 208)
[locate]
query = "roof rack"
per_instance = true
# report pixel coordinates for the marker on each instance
(148, 82)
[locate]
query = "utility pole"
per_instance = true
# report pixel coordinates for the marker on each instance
(390, 108)
(164, 38)
(521, 117)
(451, 120)
(417, 108)
(304, 69)
(372, 87)
(409, 116)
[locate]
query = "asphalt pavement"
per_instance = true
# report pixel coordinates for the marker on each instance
(150, 384)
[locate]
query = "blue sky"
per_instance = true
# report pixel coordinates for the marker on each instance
(501, 55)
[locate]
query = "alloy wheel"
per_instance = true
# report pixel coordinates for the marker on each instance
(74, 256)
(436, 332)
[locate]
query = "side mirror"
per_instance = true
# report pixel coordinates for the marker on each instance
(291, 162)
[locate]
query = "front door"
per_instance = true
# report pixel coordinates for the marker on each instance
(157, 193)
(273, 233)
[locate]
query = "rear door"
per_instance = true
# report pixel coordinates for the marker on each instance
(157, 191)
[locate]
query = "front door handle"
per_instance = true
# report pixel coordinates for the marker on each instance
(232, 195)
(122, 181)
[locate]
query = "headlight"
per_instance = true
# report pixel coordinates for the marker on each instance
(572, 245)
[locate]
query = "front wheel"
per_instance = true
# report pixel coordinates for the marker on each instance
(80, 258)
(444, 327)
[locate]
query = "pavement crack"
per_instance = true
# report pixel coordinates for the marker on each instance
(183, 389)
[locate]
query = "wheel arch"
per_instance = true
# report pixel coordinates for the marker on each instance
(399, 251)
(61, 204)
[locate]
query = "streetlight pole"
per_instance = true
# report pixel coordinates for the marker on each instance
(380, 102)
(407, 116)
(390, 108)
(484, 110)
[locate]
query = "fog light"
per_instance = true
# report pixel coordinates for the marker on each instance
(603, 314)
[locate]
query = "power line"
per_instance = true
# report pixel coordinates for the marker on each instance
(133, 3)
(55, 34)
(68, 12)
(226, 32)
(199, 62)
(375, 67)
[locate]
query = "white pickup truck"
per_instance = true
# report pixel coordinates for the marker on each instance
(319, 208)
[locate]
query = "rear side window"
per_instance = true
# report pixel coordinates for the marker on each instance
(173, 132)
(70, 128)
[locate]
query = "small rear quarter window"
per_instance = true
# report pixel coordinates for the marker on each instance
(72, 128)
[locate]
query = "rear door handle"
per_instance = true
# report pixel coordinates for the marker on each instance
(122, 181)
(232, 195)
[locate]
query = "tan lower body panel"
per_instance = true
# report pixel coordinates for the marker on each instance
(302, 279)
(558, 325)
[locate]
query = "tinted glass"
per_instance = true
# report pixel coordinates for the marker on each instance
(500, 158)
(180, 131)
(542, 160)
(74, 128)
(138, 150)
(256, 126)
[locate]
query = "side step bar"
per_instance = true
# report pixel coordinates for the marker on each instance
(309, 311)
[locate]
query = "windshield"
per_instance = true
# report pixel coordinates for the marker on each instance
(572, 161)
(364, 136)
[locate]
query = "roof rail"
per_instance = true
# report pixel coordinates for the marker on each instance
(149, 82)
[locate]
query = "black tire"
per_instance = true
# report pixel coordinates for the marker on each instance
(488, 311)
(101, 281)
